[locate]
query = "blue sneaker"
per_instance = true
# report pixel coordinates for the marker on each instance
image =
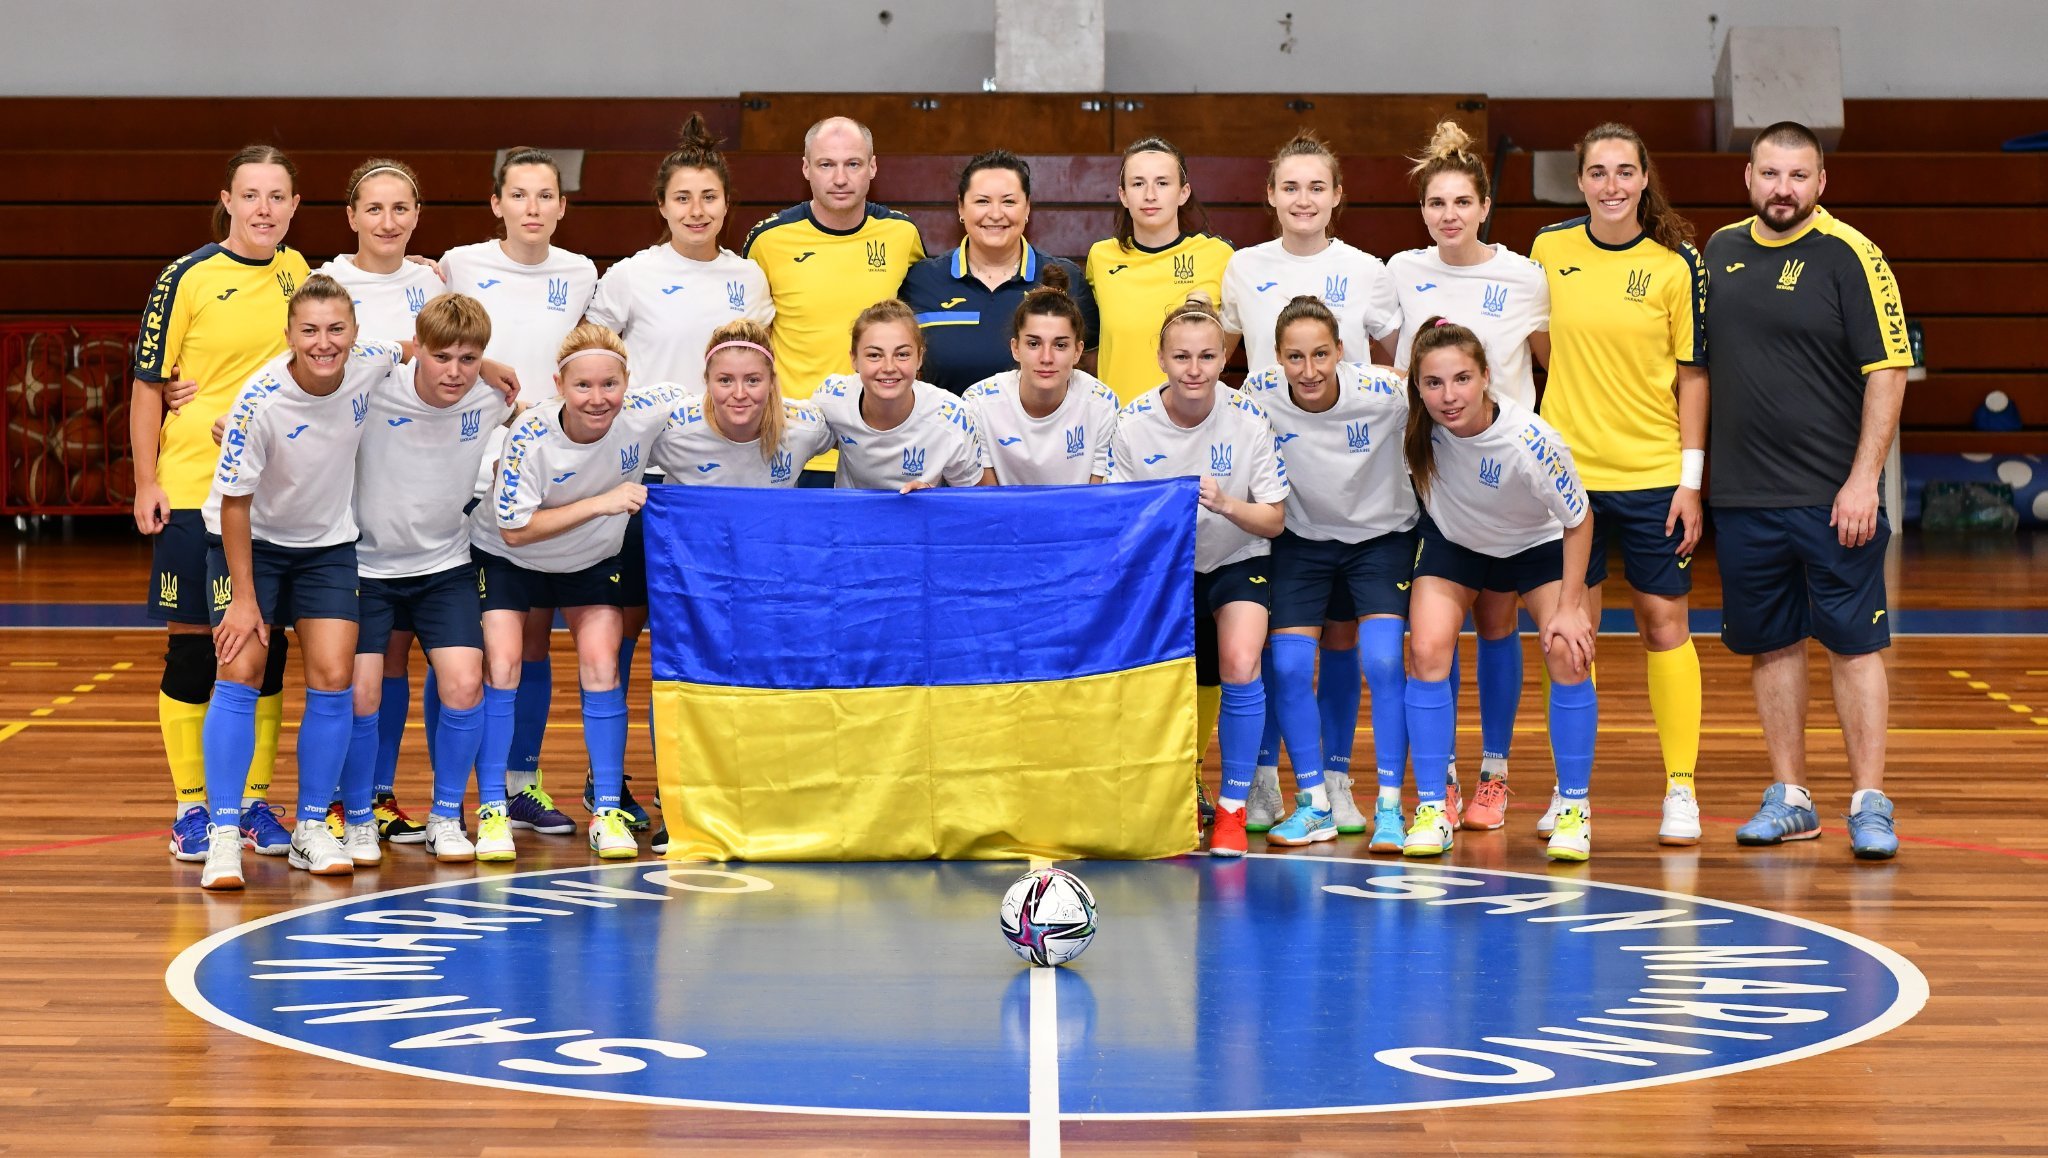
(191, 835)
(533, 808)
(1870, 829)
(1389, 830)
(1307, 824)
(262, 833)
(636, 814)
(1777, 822)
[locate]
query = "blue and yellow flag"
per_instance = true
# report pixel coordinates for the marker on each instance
(994, 673)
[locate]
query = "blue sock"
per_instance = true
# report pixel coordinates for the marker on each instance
(1457, 685)
(1500, 694)
(1269, 739)
(1574, 719)
(462, 734)
(1337, 705)
(430, 711)
(228, 740)
(391, 714)
(324, 733)
(626, 649)
(604, 736)
(359, 767)
(1432, 729)
(496, 738)
(530, 717)
(1242, 714)
(1293, 664)
(1386, 670)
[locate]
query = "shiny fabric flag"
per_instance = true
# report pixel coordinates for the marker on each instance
(994, 673)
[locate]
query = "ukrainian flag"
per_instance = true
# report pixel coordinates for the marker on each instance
(994, 673)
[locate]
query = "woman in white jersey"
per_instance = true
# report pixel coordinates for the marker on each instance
(1191, 426)
(1350, 531)
(1046, 422)
(1504, 512)
(741, 432)
(383, 206)
(549, 535)
(536, 294)
(895, 432)
(1502, 297)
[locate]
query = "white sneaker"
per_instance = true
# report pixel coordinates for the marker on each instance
(1343, 809)
(494, 836)
(359, 841)
(1681, 818)
(611, 838)
(1263, 808)
(1572, 840)
(223, 858)
(446, 842)
(315, 850)
(1547, 824)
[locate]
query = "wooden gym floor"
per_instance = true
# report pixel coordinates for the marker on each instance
(95, 1056)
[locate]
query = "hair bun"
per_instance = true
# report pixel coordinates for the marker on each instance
(1053, 276)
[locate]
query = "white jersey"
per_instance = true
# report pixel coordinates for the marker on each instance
(1506, 489)
(665, 306)
(387, 304)
(1503, 300)
(1233, 445)
(415, 474)
(532, 307)
(297, 453)
(1345, 465)
(1070, 445)
(543, 468)
(936, 444)
(1353, 283)
(690, 452)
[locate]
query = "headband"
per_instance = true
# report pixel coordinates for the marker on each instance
(382, 169)
(1195, 314)
(575, 354)
(762, 350)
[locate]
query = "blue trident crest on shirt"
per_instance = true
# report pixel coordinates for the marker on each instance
(629, 459)
(361, 407)
(736, 295)
(781, 466)
(415, 298)
(1077, 442)
(1489, 472)
(472, 424)
(558, 294)
(1220, 454)
(1359, 436)
(913, 460)
(1335, 289)
(1496, 301)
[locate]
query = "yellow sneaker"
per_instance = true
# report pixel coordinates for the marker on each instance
(494, 836)
(611, 836)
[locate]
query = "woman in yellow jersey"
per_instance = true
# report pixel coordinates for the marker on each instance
(216, 316)
(1628, 391)
(1154, 262)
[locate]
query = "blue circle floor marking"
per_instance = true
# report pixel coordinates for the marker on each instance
(1268, 986)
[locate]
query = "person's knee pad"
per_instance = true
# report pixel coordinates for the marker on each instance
(273, 667)
(188, 668)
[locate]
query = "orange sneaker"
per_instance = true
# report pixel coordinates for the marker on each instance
(1454, 803)
(1489, 807)
(1228, 837)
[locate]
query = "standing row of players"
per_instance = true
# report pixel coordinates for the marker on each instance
(801, 264)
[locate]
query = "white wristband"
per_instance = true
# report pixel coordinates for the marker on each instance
(1692, 466)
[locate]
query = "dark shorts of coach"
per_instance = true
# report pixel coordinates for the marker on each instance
(1649, 557)
(441, 609)
(1521, 573)
(177, 566)
(1245, 581)
(1785, 577)
(292, 583)
(503, 585)
(1309, 575)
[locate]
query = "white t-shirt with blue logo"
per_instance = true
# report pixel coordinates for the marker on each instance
(1234, 445)
(666, 305)
(1069, 446)
(1502, 300)
(532, 307)
(296, 453)
(1259, 281)
(691, 452)
(415, 474)
(936, 445)
(1346, 465)
(387, 304)
(1506, 489)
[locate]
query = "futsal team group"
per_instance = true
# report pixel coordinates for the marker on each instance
(395, 450)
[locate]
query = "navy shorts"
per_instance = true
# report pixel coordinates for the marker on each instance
(177, 566)
(503, 585)
(1520, 573)
(1649, 557)
(292, 583)
(632, 560)
(1308, 575)
(1245, 581)
(1786, 577)
(442, 609)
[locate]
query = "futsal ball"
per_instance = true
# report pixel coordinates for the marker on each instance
(120, 480)
(1048, 916)
(87, 487)
(118, 440)
(32, 482)
(28, 436)
(83, 391)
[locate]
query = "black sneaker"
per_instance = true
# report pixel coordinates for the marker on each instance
(636, 814)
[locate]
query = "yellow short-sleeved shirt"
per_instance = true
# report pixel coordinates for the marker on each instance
(1134, 288)
(215, 319)
(1622, 320)
(821, 279)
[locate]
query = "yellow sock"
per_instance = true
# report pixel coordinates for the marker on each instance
(182, 725)
(269, 715)
(1675, 702)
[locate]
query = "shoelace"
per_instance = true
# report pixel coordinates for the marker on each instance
(390, 803)
(1491, 792)
(540, 797)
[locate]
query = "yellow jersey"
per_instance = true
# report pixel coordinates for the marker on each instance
(214, 318)
(1135, 288)
(821, 279)
(1622, 320)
